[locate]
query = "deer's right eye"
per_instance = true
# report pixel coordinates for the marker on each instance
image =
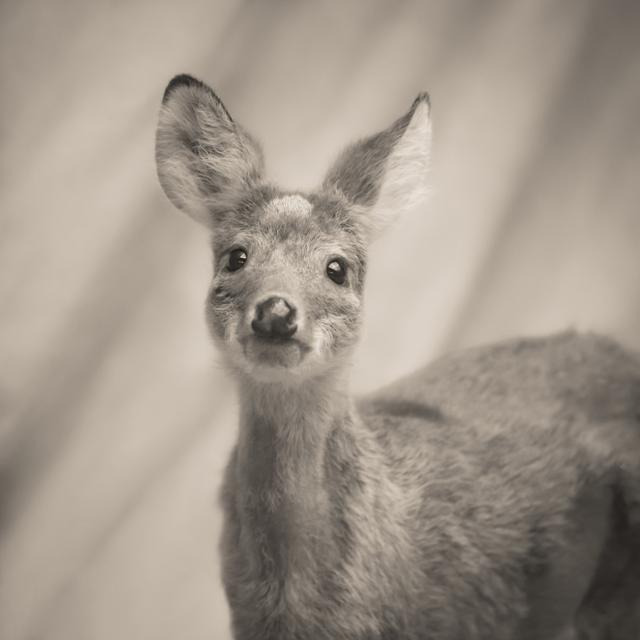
(237, 259)
(337, 271)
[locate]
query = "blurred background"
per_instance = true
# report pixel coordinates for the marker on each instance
(115, 416)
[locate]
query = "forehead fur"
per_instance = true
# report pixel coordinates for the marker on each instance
(293, 205)
(266, 207)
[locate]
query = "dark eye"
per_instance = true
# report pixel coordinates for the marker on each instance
(237, 259)
(337, 271)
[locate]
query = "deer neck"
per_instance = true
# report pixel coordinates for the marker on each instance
(283, 434)
(281, 465)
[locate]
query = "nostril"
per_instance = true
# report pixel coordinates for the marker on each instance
(284, 329)
(275, 328)
(259, 327)
(274, 318)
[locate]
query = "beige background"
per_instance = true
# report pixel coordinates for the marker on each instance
(115, 416)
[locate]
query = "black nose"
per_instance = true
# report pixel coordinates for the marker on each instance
(274, 318)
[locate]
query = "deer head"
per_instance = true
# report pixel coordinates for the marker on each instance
(286, 295)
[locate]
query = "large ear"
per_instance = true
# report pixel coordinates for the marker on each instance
(206, 162)
(386, 173)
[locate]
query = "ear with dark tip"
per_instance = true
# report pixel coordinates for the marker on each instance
(386, 173)
(206, 162)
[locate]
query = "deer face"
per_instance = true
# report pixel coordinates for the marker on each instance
(286, 292)
(285, 299)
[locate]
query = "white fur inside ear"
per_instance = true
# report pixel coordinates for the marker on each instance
(205, 162)
(177, 170)
(405, 183)
(183, 190)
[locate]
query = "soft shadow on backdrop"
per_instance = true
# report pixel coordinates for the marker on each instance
(116, 419)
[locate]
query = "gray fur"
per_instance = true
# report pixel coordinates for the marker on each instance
(205, 160)
(493, 495)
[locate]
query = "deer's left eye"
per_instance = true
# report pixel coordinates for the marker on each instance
(337, 271)
(237, 259)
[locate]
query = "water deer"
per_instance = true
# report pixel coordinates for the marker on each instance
(494, 494)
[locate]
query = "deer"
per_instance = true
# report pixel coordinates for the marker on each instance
(493, 494)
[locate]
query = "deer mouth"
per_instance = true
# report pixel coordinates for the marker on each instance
(276, 352)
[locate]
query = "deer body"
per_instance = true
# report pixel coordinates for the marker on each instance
(493, 495)
(418, 514)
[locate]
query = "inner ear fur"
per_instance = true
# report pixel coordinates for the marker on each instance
(206, 162)
(386, 173)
